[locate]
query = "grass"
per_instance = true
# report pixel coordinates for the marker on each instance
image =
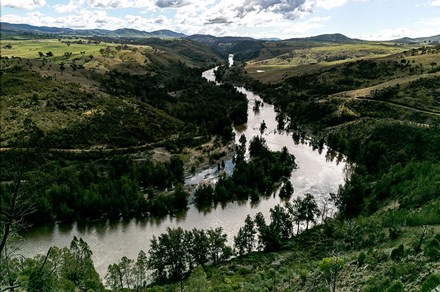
(30, 48)
(296, 60)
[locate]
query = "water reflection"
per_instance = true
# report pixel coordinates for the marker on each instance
(109, 240)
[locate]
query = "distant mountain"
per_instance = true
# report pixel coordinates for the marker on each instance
(270, 39)
(11, 28)
(166, 33)
(330, 38)
(432, 39)
(129, 33)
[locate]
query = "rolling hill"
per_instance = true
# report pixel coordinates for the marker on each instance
(10, 29)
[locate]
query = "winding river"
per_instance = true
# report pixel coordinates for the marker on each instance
(110, 241)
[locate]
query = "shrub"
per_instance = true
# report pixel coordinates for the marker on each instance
(395, 232)
(432, 249)
(397, 253)
(432, 282)
(376, 256)
(361, 259)
(397, 286)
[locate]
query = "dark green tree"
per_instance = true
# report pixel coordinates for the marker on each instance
(309, 208)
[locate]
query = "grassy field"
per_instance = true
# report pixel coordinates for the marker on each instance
(96, 56)
(30, 48)
(313, 58)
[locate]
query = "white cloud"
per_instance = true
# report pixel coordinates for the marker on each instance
(329, 4)
(435, 3)
(84, 19)
(113, 4)
(23, 4)
(70, 7)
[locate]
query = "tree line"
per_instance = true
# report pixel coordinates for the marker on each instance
(270, 167)
(174, 254)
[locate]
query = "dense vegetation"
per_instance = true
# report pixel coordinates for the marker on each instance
(386, 236)
(81, 139)
(269, 167)
(395, 184)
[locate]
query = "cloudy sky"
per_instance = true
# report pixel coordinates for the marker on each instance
(366, 19)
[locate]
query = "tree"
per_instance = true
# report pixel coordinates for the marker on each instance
(240, 242)
(257, 146)
(310, 209)
(216, 244)
(330, 268)
(198, 246)
(281, 224)
(244, 241)
(432, 249)
(78, 265)
(113, 278)
(242, 141)
(127, 271)
(249, 233)
(41, 54)
(286, 190)
(156, 260)
(15, 201)
(41, 275)
(198, 281)
(297, 212)
(140, 269)
(49, 54)
(263, 127)
(268, 235)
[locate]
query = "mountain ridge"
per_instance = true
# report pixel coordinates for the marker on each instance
(23, 28)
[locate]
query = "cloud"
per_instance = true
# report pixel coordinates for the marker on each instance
(84, 19)
(218, 20)
(23, 4)
(172, 3)
(435, 3)
(72, 6)
(108, 3)
(330, 4)
(113, 4)
(287, 8)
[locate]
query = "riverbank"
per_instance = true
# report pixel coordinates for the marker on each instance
(109, 241)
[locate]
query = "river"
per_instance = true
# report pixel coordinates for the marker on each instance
(109, 241)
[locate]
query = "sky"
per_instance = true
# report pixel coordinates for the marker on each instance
(364, 19)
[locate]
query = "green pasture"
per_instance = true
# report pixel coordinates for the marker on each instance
(30, 48)
(304, 60)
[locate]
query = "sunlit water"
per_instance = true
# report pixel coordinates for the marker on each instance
(110, 241)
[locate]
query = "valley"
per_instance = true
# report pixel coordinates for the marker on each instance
(313, 162)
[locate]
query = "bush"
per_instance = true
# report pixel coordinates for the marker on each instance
(395, 232)
(376, 256)
(432, 249)
(397, 286)
(397, 253)
(361, 259)
(430, 283)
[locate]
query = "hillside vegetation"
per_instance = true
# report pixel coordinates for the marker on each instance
(81, 130)
(389, 208)
(377, 104)
(286, 59)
